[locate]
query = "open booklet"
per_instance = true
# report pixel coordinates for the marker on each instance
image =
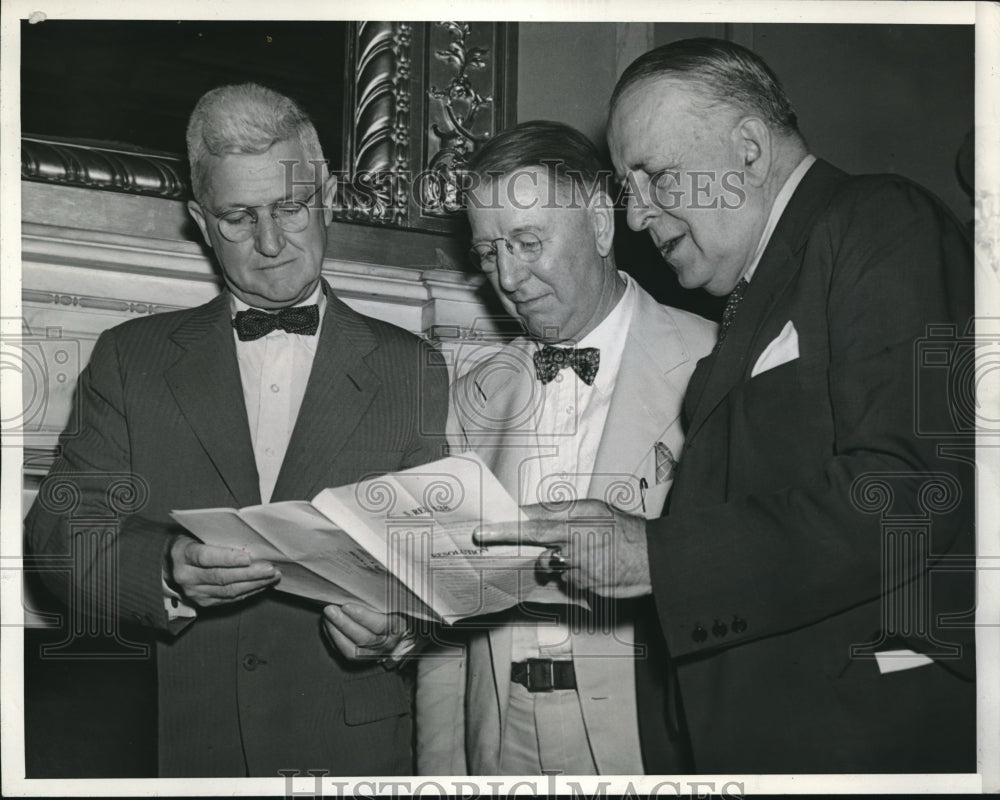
(398, 542)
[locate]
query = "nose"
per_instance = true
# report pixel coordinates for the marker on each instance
(640, 208)
(269, 238)
(511, 271)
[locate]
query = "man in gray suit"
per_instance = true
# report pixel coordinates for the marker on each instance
(272, 391)
(586, 405)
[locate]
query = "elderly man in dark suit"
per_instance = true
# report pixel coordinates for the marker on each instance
(272, 391)
(803, 619)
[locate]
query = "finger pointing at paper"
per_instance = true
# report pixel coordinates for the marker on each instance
(589, 545)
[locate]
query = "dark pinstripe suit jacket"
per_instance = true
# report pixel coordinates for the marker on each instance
(251, 688)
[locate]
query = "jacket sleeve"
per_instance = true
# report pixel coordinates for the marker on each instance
(428, 440)
(83, 507)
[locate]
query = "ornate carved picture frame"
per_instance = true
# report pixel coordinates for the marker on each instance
(418, 97)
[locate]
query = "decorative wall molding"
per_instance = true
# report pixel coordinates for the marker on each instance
(461, 109)
(100, 166)
(99, 303)
(469, 95)
(377, 143)
(399, 131)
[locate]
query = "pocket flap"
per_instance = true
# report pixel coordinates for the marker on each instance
(374, 697)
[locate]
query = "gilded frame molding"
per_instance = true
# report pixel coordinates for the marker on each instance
(418, 98)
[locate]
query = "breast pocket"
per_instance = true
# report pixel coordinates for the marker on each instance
(374, 697)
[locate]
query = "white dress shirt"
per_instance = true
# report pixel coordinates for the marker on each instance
(780, 203)
(274, 371)
(546, 731)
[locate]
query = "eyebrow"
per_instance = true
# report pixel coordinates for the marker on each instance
(286, 199)
(511, 232)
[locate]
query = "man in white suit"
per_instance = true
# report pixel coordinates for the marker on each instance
(551, 687)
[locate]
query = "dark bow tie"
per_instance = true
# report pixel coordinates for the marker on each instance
(584, 362)
(254, 323)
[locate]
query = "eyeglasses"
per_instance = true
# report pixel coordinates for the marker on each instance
(524, 246)
(239, 224)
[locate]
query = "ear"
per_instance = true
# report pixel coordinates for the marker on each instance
(603, 215)
(752, 139)
(198, 215)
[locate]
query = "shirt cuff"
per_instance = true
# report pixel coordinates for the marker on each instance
(404, 649)
(174, 604)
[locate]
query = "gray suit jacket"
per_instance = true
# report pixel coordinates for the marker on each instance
(252, 687)
(462, 696)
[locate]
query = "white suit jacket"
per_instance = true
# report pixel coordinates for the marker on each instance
(462, 696)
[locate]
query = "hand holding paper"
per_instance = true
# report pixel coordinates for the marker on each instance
(361, 632)
(400, 542)
(209, 576)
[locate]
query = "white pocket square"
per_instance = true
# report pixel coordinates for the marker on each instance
(899, 660)
(783, 349)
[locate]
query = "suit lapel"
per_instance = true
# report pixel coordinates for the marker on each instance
(719, 373)
(501, 406)
(507, 399)
(653, 349)
(341, 387)
(205, 382)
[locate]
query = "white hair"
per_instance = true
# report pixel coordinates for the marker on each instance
(244, 118)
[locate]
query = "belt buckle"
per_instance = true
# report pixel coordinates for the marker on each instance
(543, 679)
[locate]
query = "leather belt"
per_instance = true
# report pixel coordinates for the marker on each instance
(543, 674)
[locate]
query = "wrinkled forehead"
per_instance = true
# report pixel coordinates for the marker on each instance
(528, 198)
(671, 93)
(281, 171)
(669, 112)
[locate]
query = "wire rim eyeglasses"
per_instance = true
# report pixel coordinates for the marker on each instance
(525, 247)
(239, 224)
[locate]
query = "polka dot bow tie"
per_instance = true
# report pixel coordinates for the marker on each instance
(254, 323)
(584, 362)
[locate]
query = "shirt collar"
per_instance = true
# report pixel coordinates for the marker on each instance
(318, 297)
(780, 203)
(609, 336)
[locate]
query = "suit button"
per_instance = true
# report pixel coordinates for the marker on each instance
(250, 662)
(719, 629)
(739, 625)
(699, 634)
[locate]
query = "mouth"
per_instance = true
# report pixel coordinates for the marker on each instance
(278, 265)
(669, 246)
(527, 301)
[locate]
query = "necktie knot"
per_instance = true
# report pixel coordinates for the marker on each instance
(729, 312)
(584, 362)
(254, 323)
